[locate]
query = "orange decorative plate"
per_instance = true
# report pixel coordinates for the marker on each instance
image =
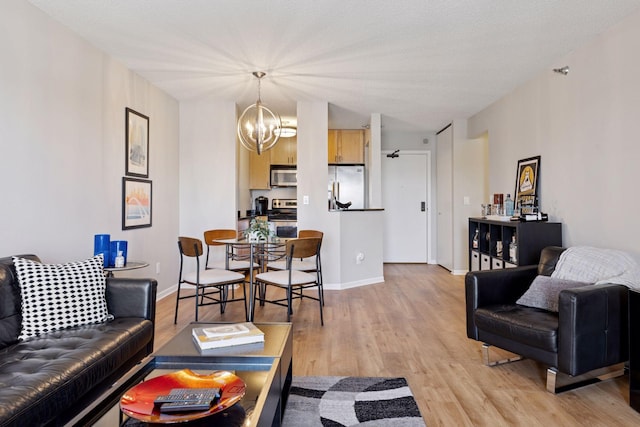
(138, 401)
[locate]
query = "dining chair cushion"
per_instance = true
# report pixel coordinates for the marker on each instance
(233, 265)
(214, 276)
(296, 264)
(281, 277)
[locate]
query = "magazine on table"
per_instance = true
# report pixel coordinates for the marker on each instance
(218, 336)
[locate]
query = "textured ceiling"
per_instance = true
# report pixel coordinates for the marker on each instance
(419, 63)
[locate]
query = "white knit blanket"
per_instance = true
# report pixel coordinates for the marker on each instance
(596, 265)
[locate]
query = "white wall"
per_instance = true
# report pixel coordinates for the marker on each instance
(208, 167)
(313, 122)
(62, 141)
(585, 128)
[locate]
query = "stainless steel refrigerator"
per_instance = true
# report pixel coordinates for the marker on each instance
(346, 184)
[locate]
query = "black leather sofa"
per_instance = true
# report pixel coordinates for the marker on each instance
(583, 339)
(45, 381)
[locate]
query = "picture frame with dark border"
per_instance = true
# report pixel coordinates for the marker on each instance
(137, 144)
(137, 203)
(527, 182)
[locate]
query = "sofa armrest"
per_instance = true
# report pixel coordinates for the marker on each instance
(490, 287)
(592, 329)
(132, 297)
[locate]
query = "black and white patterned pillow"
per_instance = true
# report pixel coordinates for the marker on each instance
(59, 296)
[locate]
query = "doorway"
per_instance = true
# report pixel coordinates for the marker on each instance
(406, 201)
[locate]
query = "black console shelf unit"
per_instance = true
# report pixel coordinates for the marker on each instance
(495, 235)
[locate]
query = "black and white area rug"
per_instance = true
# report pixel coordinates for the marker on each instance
(351, 401)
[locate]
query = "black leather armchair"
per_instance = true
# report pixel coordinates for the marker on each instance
(583, 339)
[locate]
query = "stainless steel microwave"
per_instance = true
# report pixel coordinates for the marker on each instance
(282, 176)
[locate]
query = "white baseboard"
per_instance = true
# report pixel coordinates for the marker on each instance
(327, 286)
(349, 285)
(459, 272)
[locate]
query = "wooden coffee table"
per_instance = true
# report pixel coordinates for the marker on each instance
(266, 371)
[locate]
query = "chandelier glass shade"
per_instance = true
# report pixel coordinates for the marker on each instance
(258, 126)
(287, 132)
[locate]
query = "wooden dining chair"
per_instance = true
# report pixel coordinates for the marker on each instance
(293, 281)
(309, 265)
(234, 259)
(211, 285)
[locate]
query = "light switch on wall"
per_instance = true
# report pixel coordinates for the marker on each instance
(305, 200)
(466, 200)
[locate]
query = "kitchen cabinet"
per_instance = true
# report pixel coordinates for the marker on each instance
(259, 171)
(494, 237)
(285, 152)
(346, 146)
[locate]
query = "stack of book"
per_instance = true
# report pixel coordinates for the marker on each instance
(227, 335)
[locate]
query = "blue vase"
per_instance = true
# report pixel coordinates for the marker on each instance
(102, 245)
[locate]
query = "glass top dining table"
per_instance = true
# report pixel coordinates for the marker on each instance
(262, 251)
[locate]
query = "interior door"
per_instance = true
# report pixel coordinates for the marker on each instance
(444, 219)
(405, 183)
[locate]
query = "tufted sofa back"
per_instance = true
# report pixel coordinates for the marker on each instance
(10, 302)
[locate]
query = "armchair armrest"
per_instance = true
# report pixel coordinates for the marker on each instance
(505, 286)
(132, 297)
(592, 328)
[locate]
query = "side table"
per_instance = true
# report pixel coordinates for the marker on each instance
(131, 265)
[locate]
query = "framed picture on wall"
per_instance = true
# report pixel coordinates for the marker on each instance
(137, 144)
(527, 178)
(136, 203)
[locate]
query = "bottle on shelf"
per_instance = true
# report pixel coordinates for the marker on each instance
(475, 239)
(119, 260)
(513, 250)
(508, 206)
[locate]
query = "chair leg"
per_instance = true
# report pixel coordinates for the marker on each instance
(321, 302)
(196, 300)
(557, 382)
(289, 303)
(244, 296)
(224, 294)
(175, 318)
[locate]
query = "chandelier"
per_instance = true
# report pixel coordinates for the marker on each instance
(258, 126)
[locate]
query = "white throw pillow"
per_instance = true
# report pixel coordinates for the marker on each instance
(59, 296)
(544, 292)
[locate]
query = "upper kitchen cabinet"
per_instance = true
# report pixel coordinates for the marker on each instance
(346, 146)
(285, 152)
(259, 170)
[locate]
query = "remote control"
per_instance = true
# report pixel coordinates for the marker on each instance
(180, 397)
(186, 405)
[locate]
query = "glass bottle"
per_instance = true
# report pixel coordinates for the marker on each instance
(508, 206)
(513, 250)
(119, 260)
(475, 239)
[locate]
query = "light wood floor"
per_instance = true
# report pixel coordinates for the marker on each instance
(413, 326)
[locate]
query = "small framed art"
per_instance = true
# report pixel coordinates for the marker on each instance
(137, 144)
(527, 179)
(136, 203)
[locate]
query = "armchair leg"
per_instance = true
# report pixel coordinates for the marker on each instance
(487, 360)
(557, 382)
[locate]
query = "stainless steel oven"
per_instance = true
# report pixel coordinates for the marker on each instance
(284, 217)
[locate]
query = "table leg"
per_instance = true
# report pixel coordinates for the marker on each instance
(251, 291)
